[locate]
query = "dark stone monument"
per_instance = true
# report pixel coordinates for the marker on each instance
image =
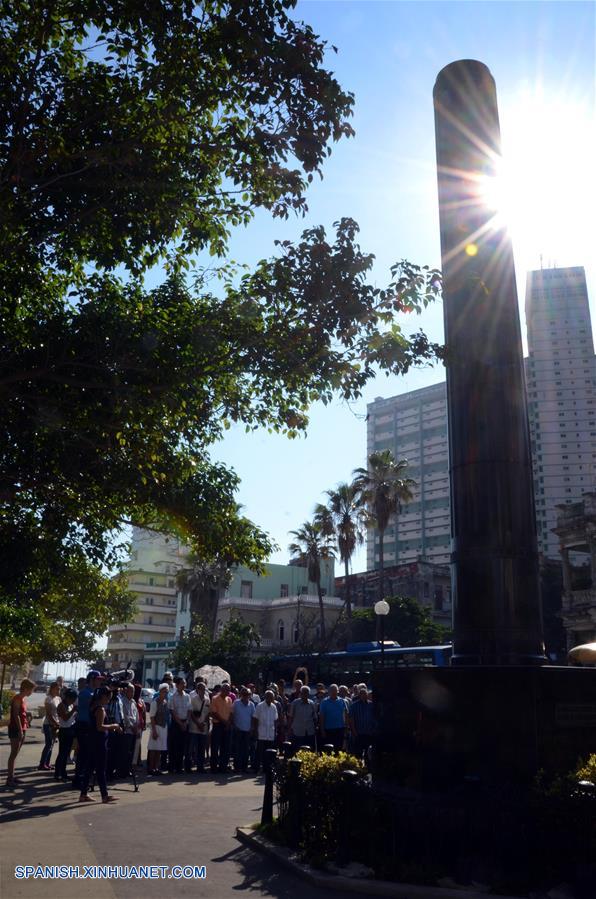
(495, 575)
(500, 713)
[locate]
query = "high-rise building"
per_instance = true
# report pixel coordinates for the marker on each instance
(561, 387)
(414, 427)
(151, 575)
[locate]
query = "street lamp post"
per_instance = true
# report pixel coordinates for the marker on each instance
(382, 609)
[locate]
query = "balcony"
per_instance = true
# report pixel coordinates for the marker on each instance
(133, 646)
(579, 601)
(156, 589)
(135, 626)
(306, 600)
(158, 608)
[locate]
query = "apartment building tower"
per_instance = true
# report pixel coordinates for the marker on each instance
(561, 390)
(561, 385)
(414, 427)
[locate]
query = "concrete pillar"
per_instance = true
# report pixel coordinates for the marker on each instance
(496, 593)
(566, 569)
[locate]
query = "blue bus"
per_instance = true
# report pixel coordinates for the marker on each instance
(356, 664)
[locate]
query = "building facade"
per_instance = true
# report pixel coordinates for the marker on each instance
(561, 385)
(576, 531)
(151, 575)
(286, 625)
(276, 602)
(561, 392)
(414, 427)
(428, 582)
(278, 582)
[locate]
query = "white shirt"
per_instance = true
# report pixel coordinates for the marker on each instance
(51, 704)
(69, 721)
(266, 715)
(180, 704)
(199, 705)
(131, 715)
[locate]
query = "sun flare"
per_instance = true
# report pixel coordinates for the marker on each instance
(544, 189)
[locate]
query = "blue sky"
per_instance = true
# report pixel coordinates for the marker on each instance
(543, 59)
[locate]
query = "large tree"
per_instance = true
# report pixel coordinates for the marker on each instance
(233, 649)
(408, 622)
(143, 132)
(381, 489)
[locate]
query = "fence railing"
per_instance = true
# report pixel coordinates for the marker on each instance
(470, 833)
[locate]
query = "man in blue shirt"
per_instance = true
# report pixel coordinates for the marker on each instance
(83, 731)
(362, 723)
(333, 716)
(242, 712)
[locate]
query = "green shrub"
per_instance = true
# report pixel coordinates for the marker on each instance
(321, 802)
(5, 702)
(327, 769)
(586, 770)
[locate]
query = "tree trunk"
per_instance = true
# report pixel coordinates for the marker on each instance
(348, 601)
(321, 611)
(203, 604)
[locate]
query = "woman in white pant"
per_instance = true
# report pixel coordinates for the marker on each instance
(158, 736)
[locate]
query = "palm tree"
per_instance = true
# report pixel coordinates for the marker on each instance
(203, 583)
(381, 488)
(312, 546)
(343, 514)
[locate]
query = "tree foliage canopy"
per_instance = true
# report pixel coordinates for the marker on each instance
(143, 132)
(408, 622)
(231, 649)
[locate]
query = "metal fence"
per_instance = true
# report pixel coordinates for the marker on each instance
(508, 839)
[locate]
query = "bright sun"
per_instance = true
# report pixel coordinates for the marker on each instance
(545, 188)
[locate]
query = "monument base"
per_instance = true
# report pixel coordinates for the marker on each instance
(438, 727)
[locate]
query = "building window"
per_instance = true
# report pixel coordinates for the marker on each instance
(151, 582)
(246, 590)
(219, 628)
(295, 632)
(281, 631)
(304, 591)
(183, 602)
(284, 590)
(425, 590)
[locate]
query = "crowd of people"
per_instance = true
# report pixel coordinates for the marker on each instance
(191, 728)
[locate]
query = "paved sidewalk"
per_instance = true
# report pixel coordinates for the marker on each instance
(185, 820)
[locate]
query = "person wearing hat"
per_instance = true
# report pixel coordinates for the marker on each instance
(168, 680)
(82, 727)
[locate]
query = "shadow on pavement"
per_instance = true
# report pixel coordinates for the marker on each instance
(264, 878)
